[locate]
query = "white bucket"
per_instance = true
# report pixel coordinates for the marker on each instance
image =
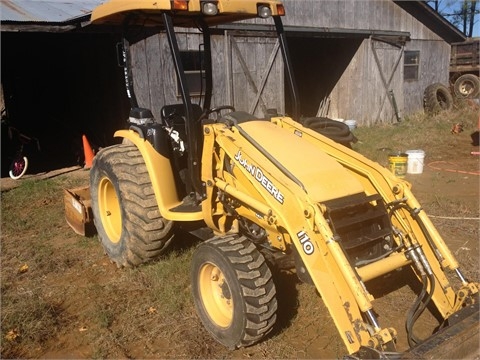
(415, 161)
(352, 124)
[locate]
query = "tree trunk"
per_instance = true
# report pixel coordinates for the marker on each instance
(471, 20)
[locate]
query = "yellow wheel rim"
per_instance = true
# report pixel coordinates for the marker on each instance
(216, 295)
(110, 212)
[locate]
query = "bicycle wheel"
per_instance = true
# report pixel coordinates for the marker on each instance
(18, 167)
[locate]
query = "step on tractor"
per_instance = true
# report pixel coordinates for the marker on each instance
(263, 194)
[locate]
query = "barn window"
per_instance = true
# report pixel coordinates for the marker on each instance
(410, 65)
(192, 61)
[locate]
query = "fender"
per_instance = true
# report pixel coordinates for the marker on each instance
(161, 174)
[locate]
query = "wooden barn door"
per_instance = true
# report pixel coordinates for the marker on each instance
(387, 55)
(254, 74)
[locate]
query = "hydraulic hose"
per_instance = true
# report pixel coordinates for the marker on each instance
(418, 308)
(413, 310)
(426, 277)
(414, 215)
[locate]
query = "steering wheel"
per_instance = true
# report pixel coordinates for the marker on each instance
(218, 109)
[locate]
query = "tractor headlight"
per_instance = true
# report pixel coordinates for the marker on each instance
(264, 11)
(209, 8)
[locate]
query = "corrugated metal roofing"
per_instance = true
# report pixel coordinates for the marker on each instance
(49, 11)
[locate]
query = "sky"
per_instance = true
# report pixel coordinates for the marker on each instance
(448, 7)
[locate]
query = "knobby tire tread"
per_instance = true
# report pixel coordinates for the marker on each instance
(431, 102)
(258, 289)
(145, 233)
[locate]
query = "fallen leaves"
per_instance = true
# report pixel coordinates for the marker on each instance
(12, 335)
(23, 269)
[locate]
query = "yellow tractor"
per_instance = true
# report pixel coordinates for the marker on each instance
(264, 192)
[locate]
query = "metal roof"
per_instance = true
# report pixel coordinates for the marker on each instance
(45, 11)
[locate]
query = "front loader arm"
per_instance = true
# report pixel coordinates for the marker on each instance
(407, 214)
(261, 192)
(295, 204)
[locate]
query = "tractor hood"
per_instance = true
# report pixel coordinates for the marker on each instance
(322, 177)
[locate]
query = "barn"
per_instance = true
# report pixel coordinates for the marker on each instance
(364, 60)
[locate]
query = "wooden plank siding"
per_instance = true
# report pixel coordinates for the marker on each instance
(434, 59)
(358, 94)
(154, 89)
(155, 82)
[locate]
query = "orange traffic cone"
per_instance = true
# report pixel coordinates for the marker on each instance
(88, 153)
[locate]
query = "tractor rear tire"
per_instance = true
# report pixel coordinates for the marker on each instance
(125, 210)
(233, 291)
(437, 98)
(467, 86)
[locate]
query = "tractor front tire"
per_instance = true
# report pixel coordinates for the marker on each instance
(126, 215)
(233, 291)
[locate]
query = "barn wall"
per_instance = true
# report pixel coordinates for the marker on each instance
(255, 53)
(153, 86)
(365, 78)
(360, 93)
(434, 64)
(354, 14)
(237, 78)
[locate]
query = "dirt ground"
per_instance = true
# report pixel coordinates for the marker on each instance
(448, 189)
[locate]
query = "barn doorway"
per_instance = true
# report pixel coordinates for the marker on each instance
(59, 86)
(318, 64)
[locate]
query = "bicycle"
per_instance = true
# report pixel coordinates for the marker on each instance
(19, 165)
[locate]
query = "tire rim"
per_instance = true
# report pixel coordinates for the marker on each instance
(110, 212)
(18, 168)
(466, 88)
(216, 295)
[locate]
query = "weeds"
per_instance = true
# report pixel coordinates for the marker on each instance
(419, 131)
(31, 317)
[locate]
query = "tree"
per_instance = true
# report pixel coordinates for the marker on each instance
(462, 14)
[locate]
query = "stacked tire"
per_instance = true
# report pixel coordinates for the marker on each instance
(334, 130)
(467, 86)
(436, 98)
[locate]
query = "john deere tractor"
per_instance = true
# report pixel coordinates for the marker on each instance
(263, 192)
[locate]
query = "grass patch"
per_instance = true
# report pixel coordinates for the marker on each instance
(420, 131)
(28, 321)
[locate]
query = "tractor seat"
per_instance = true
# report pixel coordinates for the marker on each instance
(172, 114)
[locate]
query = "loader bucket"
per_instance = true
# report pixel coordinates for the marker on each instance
(459, 340)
